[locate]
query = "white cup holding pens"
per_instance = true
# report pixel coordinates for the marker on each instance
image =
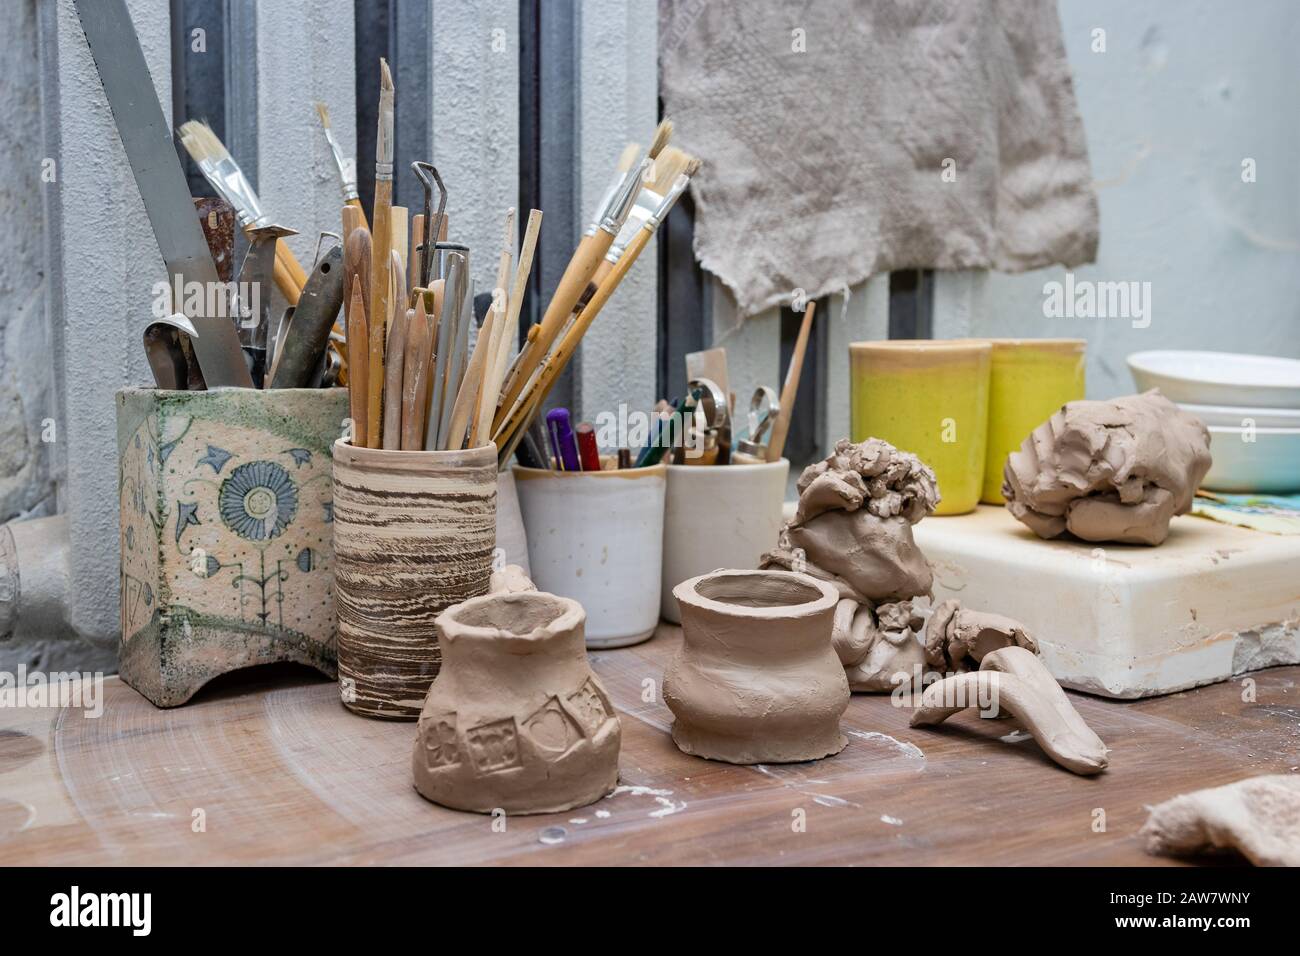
(597, 537)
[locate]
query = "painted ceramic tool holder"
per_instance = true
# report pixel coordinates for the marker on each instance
(516, 721)
(597, 537)
(226, 544)
(725, 516)
(414, 533)
(756, 679)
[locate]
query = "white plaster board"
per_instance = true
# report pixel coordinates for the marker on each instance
(305, 54)
(110, 264)
(618, 103)
(475, 121)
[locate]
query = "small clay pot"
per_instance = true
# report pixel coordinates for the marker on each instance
(756, 679)
(516, 720)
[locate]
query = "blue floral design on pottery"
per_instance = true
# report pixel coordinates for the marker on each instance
(258, 500)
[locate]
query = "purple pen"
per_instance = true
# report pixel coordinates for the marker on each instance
(563, 445)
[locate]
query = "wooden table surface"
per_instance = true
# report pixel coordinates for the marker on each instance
(282, 773)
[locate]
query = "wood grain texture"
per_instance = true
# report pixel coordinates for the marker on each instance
(286, 776)
(414, 533)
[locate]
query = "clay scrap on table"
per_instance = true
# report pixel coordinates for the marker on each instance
(1109, 471)
(1259, 817)
(1013, 681)
(853, 529)
(958, 640)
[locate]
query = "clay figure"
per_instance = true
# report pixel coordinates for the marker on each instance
(1014, 681)
(853, 529)
(1109, 471)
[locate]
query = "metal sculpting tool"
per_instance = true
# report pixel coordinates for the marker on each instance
(157, 169)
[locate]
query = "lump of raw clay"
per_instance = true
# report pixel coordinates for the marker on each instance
(1108, 471)
(853, 529)
(511, 579)
(957, 639)
(1259, 817)
(1012, 681)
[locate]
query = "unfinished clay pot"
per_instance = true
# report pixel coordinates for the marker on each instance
(515, 720)
(756, 679)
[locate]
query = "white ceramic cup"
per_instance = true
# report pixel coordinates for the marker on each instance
(718, 516)
(597, 537)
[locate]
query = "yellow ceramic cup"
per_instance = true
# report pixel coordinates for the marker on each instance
(1031, 379)
(929, 397)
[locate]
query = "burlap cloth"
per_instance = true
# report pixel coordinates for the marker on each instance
(825, 150)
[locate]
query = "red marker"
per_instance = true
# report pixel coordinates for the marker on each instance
(587, 450)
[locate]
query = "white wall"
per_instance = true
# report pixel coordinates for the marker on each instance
(1182, 94)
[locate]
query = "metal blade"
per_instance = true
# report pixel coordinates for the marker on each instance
(152, 155)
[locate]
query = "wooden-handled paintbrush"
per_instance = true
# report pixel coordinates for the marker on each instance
(509, 435)
(225, 176)
(347, 168)
(381, 243)
(586, 258)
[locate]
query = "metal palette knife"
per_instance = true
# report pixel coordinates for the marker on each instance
(152, 155)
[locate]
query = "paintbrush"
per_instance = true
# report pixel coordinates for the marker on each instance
(381, 243)
(507, 437)
(358, 347)
(586, 258)
(221, 170)
(781, 427)
(347, 168)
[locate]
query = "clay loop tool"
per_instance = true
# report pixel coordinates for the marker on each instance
(427, 173)
(162, 346)
(715, 410)
(764, 407)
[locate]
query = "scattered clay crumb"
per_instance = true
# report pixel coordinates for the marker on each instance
(602, 814)
(909, 750)
(892, 821)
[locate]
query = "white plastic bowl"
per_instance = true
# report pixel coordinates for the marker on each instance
(1219, 378)
(1268, 465)
(1236, 416)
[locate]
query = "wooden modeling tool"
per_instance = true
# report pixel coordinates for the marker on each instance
(358, 363)
(381, 240)
(394, 354)
(781, 426)
(516, 301)
(486, 402)
(415, 372)
(401, 240)
(710, 364)
(417, 245)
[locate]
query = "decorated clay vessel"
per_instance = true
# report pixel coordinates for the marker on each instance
(515, 720)
(756, 679)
